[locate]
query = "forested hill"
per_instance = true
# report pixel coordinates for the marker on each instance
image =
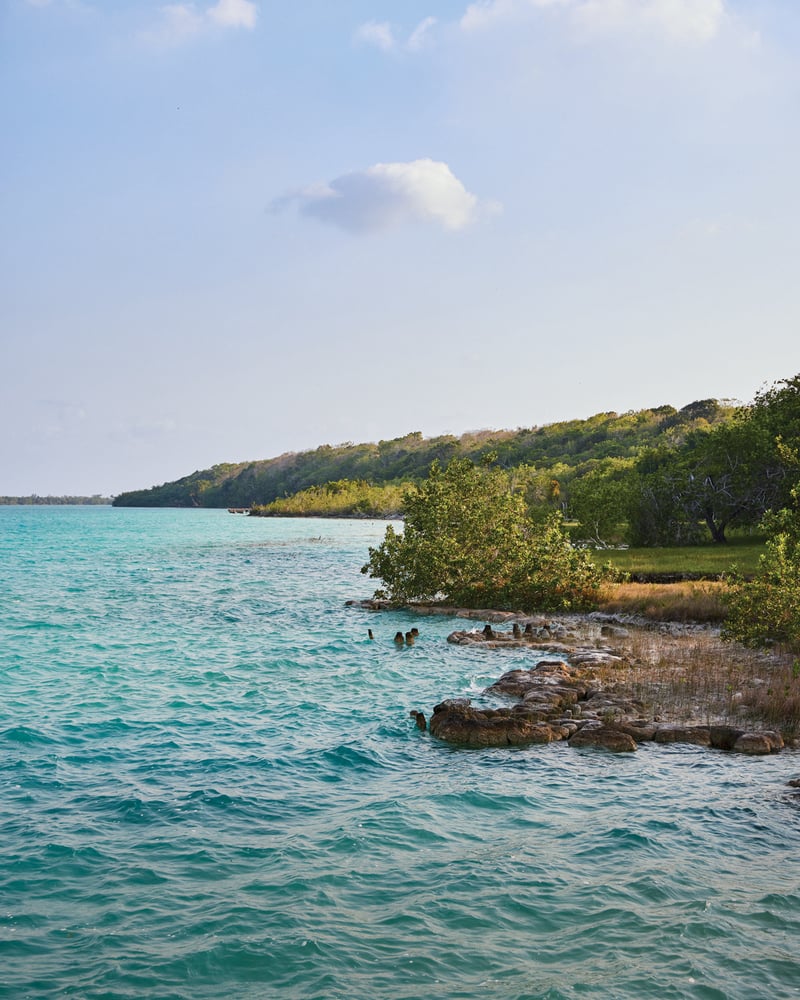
(560, 450)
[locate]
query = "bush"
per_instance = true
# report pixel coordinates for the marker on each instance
(766, 611)
(468, 540)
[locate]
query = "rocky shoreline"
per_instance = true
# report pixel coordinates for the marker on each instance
(574, 693)
(554, 701)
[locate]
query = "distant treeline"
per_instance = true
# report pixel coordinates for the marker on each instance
(552, 456)
(36, 501)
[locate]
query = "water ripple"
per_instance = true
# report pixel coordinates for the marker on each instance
(210, 787)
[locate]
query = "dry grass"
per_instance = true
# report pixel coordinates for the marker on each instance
(698, 678)
(676, 602)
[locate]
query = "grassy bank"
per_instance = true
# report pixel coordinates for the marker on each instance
(695, 561)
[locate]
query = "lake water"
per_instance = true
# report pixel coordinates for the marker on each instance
(210, 788)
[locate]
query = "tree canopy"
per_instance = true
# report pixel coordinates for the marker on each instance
(468, 540)
(718, 477)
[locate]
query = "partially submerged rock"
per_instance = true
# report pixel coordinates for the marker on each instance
(759, 743)
(699, 735)
(753, 742)
(458, 722)
(546, 675)
(604, 738)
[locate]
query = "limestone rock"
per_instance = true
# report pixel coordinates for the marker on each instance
(546, 675)
(615, 631)
(758, 743)
(457, 722)
(724, 737)
(603, 738)
(595, 658)
(698, 735)
(640, 729)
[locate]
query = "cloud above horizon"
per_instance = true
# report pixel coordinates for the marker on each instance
(182, 21)
(387, 195)
(376, 33)
(382, 35)
(679, 21)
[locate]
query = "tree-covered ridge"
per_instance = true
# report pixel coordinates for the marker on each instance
(558, 452)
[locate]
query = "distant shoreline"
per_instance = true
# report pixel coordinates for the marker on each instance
(50, 501)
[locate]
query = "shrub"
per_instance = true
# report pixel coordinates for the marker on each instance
(468, 540)
(766, 611)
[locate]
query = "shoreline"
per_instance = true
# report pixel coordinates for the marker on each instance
(614, 680)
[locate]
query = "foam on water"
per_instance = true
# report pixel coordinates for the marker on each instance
(210, 787)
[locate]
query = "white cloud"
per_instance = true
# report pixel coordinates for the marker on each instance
(181, 21)
(382, 35)
(77, 6)
(377, 33)
(178, 22)
(675, 20)
(388, 195)
(420, 36)
(484, 12)
(234, 13)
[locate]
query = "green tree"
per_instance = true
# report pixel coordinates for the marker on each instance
(766, 610)
(731, 476)
(657, 508)
(468, 540)
(776, 413)
(599, 500)
(725, 477)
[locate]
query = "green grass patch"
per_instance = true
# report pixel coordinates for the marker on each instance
(708, 561)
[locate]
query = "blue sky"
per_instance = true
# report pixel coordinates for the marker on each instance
(233, 229)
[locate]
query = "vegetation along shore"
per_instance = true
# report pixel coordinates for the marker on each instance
(665, 514)
(470, 539)
(614, 681)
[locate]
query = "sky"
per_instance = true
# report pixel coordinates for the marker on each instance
(236, 228)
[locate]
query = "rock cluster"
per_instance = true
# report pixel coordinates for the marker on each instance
(558, 700)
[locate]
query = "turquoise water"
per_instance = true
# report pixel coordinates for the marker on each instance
(210, 787)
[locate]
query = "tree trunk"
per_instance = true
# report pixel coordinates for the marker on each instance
(717, 530)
